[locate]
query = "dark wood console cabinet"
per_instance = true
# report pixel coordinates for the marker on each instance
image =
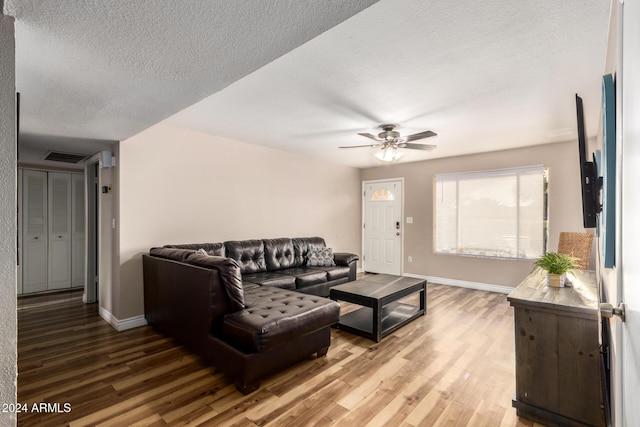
(557, 351)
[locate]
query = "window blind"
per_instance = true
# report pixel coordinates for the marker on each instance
(494, 213)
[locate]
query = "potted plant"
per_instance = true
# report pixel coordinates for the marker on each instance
(556, 265)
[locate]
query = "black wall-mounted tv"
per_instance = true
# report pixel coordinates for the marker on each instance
(590, 182)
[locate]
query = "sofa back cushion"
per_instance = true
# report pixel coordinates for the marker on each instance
(249, 254)
(230, 276)
(174, 254)
(301, 246)
(214, 249)
(278, 253)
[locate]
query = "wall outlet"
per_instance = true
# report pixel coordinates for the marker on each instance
(409, 258)
(409, 220)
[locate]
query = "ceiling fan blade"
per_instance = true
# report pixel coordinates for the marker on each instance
(359, 146)
(421, 135)
(368, 135)
(419, 146)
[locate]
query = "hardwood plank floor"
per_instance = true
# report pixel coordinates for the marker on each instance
(453, 367)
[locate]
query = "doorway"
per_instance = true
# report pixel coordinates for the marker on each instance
(92, 173)
(382, 226)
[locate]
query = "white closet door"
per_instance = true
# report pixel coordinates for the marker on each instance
(34, 226)
(59, 230)
(77, 230)
(20, 232)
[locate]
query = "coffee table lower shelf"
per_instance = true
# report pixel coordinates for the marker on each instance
(394, 315)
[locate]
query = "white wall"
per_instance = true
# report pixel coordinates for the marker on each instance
(8, 203)
(179, 186)
(565, 209)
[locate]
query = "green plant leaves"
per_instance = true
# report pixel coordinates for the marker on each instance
(555, 263)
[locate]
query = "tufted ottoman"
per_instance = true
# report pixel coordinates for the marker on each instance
(278, 327)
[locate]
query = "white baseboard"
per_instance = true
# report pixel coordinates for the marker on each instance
(463, 283)
(124, 324)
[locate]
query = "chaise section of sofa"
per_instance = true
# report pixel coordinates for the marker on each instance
(200, 295)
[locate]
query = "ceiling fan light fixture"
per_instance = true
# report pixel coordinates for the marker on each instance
(389, 154)
(390, 142)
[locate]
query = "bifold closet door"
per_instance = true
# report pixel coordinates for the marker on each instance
(59, 230)
(34, 226)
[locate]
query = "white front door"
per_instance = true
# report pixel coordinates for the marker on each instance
(382, 228)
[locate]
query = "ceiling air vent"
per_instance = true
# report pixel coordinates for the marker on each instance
(56, 156)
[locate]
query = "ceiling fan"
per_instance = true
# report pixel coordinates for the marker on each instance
(389, 141)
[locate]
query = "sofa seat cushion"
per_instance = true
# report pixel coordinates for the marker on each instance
(275, 316)
(335, 273)
(306, 276)
(279, 280)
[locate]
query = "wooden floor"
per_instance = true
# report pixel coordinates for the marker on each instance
(453, 367)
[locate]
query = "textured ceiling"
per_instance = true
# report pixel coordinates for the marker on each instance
(108, 69)
(307, 76)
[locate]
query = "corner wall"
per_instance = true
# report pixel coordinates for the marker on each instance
(565, 209)
(108, 268)
(179, 186)
(8, 231)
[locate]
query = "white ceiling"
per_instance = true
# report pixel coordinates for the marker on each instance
(307, 76)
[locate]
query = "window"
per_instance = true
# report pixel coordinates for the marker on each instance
(497, 213)
(382, 195)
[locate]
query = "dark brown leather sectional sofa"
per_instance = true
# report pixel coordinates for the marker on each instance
(250, 308)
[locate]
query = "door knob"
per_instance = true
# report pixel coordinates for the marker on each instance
(397, 233)
(607, 310)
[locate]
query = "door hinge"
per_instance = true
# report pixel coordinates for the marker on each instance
(364, 225)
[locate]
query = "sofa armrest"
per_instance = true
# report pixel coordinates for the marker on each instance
(183, 301)
(350, 260)
(344, 258)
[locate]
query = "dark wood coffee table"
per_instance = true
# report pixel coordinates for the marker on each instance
(381, 312)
